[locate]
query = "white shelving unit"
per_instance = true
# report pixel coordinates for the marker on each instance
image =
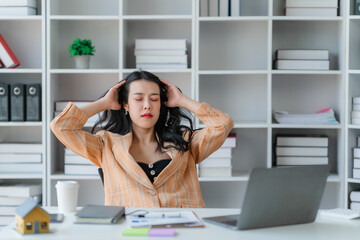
(26, 37)
(230, 67)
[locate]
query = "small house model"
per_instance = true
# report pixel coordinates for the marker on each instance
(31, 218)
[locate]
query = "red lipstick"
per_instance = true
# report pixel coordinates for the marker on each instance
(147, 115)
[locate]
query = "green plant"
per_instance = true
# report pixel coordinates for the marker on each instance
(81, 47)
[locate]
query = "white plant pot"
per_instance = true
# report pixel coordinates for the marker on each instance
(82, 62)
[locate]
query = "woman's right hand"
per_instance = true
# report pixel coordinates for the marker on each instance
(111, 97)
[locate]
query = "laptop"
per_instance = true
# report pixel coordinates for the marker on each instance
(277, 197)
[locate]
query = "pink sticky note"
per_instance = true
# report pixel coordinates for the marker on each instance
(161, 232)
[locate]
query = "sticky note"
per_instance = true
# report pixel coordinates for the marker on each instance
(135, 232)
(161, 232)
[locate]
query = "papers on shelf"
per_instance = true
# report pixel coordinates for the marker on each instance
(158, 219)
(322, 117)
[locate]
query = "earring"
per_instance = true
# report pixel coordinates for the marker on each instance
(126, 112)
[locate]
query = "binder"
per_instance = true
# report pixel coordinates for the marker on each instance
(33, 102)
(4, 102)
(17, 102)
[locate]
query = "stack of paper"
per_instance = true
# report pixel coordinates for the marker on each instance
(161, 53)
(12, 196)
(302, 59)
(219, 164)
(17, 7)
(356, 155)
(355, 200)
(325, 116)
(311, 8)
(355, 114)
(77, 165)
(293, 150)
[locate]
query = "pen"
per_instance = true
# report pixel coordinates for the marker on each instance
(160, 215)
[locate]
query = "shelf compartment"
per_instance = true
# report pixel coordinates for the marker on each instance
(63, 33)
(83, 7)
(353, 91)
(354, 46)
(179, 79)
(352, 186)
(305, 94)
(154, 29)
(95, 196)
(310, 35)
(237, 44)
(335, 153)
(13, 133)
(157, 7)
(353, 134)
(240, 89)
(28, 47)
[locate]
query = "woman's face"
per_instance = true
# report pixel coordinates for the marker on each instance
(144, 103)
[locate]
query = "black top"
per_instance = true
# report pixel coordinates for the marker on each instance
(153, 170)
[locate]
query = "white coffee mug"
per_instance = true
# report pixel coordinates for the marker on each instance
(67, 196)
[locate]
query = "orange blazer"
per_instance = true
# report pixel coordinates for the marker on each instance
(125, 182)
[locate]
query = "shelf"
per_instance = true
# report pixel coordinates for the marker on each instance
(353, 180)
(244, 125)
(353, 126)
(158, 17)
(231, 72)
(20, 176)
(21, 124)
(21, 70)
(83, 17)
(233, 19)
(189, 70)
(83, 71)
(306, 18)
(307, 126)
(331, 72)
(354, 71)
(22, 18)
(334, 178)
(62, 176)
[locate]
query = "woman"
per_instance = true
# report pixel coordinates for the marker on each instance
(147, 156)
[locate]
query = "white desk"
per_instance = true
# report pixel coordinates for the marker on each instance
(323, 228)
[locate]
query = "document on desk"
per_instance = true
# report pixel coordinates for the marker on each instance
(165, 219)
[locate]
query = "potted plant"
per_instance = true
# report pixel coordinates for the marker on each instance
(81, 50)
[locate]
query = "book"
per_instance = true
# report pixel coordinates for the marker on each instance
(20, 190)
(204, 8)
(18, 3)
(17, 102)
(161, 59)
(17, 11)
(235, 8)
(355, 205)
(302, 54)
(302, 151)
(4, 102)
(356, 173)
(13, 201)
(160, 44)
(216, 162)
(159, 52)
(81, 169)
(7, 210)
(356, 107)
(20, 158)
(20, 148)
(311, 11)
(7, 57)
(213, 8)
(222, 153)
(99, 214)
(325, 116)
(311, 3)
(356, 152)
(302, 64)
(355, 196)
(21, 168)
(6, 220)
(224, 8)
(230, 141)
(302, 160)
(302, 141)
(75, 159)
(356, 163)
(356, 100)
(145, 66)
(33, 102)
(215, 172)
(61, 105)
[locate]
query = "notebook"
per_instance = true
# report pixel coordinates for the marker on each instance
(277, 197)
(99, 214)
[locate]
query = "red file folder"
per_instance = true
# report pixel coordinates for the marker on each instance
(7, 57)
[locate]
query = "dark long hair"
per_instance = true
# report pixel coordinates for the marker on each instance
(168, 128)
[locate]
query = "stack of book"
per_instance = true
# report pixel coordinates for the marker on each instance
(21, 158)
(356, 165)
(161, 54)
(327, 8)
(326, 116)
(18, 7)
(355, 114)
(77, 165)
(219, 164)
(293, 150)
(7, 57)
(12, 196)
(222, 8)
(60, 106)
(355, 200)
(302, 59)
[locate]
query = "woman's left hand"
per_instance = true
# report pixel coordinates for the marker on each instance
(173, 94)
